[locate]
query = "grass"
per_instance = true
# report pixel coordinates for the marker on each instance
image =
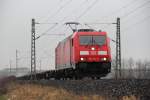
(39, 92)
(2, 97)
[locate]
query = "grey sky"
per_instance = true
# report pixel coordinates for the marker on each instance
(15, 26)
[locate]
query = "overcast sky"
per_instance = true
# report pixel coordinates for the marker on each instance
(15, 26)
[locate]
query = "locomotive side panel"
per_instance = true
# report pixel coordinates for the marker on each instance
(63, 54)
(58, 58)
(67, 53)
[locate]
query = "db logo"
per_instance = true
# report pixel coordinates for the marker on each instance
(93, 52)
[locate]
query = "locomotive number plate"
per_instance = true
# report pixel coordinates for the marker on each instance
(93, 52)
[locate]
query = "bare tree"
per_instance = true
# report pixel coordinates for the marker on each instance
(139, 67)
(145, 69)
(131, 65)
(123, 68)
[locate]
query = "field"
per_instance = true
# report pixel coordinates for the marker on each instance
(104, 89)
(3, 98)
(39, 92)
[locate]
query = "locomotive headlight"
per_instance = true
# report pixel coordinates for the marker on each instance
(92, 48)
(82, 59)
(102, 52)
(104, 59)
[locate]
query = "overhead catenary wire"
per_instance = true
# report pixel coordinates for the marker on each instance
(46, 31)
(39, 24)
(135, 16)
(45, 23)
(120, 9)
(60, 34)
(88, 26)
(61, 7)
(59, 10)
(85, 1)
(43, 18)
(86, 10)
(101, 23)
(51, 16)
(137, 23)
(137, 8)
(68, 15)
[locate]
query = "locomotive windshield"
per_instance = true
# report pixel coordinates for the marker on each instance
(92, 40)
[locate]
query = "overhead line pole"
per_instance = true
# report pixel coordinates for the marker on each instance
(118, 49)
(33, 51)
(33, 46)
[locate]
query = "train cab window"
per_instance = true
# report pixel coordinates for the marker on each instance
(92, 40)
(85, 40)
(99, 40)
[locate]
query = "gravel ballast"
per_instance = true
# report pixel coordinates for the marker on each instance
(111, 87)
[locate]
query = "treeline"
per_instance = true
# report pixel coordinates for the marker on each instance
(130, 68)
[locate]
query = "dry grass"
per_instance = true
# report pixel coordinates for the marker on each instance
(39, 92)
(130, 98)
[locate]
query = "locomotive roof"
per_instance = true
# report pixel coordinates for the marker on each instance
(80, 31)
(86, 30)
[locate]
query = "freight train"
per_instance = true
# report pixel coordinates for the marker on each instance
(85, 53)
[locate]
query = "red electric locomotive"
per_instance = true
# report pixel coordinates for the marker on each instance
(87, 52)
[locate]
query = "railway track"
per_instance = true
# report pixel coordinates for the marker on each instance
(126, 74)
(64, 75)
(109, 87)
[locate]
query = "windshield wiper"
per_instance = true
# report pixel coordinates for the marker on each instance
(94, 42)
(98, 43)
(89, 43)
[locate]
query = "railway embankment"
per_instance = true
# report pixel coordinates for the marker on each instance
(104, 89)
(140, 88)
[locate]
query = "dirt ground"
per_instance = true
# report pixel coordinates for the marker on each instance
(39, 92)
